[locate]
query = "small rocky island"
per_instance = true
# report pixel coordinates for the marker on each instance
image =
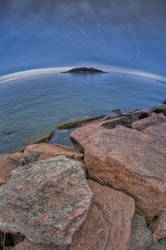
(107, 192)
(84, 70)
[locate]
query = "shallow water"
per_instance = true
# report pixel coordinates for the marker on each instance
(30, 106)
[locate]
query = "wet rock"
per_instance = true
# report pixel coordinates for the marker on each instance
(161, 109)
(8, 162)
(44, 138)
(125, 120)
(84, 70)
(77, 122)
(141, 237)
(9, 132)
(129, 161)
(153, 120)
(117, 112)
(45, 201)
(158, 228)
(108, 224)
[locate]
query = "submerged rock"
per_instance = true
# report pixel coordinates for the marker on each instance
(76, 122)
(117, 112)
(84, 70)
(46, 201)
(43, 138)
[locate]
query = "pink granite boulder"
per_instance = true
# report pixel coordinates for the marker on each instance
(108, 224)
(46, 201)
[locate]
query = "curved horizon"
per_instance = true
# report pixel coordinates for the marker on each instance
(52, 70)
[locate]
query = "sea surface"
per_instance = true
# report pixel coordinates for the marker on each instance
(32, 105)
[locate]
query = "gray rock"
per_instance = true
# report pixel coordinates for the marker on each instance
(141, 237)
(158, 245)
(46, 201)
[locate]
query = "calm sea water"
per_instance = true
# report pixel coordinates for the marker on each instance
(31, 106)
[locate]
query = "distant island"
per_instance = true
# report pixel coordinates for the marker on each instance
(84, 70)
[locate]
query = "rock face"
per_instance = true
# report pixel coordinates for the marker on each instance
(158, 132)
(43, 151)
(127, 160)
(8, 162)
(108, 224)
(46, 201)
(84, 70)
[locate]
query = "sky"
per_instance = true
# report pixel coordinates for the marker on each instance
(128, 34)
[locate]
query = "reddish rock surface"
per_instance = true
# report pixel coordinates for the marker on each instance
(127, 160)
(158, 228)
(108, 224)
(82, 136)
(153, 120)
(8, 162)
(156, 131)
(46, 201)
(43, 151)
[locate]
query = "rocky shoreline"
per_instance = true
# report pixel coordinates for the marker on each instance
(106, 193)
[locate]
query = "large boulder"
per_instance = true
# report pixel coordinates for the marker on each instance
(46, 201)
(127, 160)
(108, 224)
(8, 162)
